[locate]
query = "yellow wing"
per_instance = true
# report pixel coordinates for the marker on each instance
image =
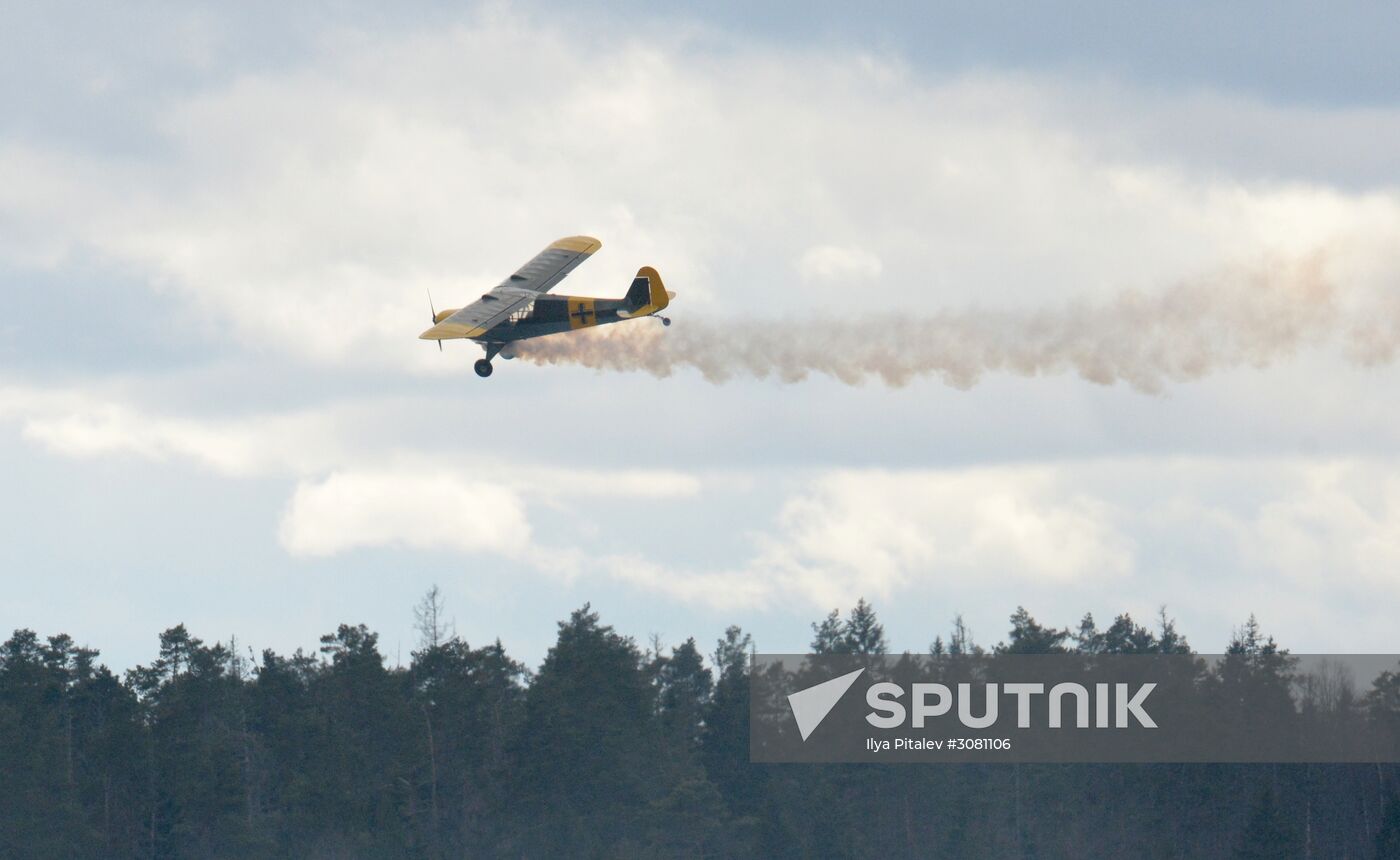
(548, 268)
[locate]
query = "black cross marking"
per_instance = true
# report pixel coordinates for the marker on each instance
(582, 313)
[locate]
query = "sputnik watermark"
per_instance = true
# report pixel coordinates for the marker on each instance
(877, 745)
(931, 700)
(1068, 707)
(889, 713)
(810, 706)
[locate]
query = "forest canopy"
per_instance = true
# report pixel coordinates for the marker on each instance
(607, 749)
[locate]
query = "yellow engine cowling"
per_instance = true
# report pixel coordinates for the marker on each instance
(442, 315)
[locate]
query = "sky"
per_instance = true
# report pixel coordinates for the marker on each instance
(1136, 269)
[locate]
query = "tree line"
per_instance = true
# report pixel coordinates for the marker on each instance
(608, 749)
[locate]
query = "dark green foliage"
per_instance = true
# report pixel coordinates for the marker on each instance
(860, 633)
(467, 704)
(1388, 837)
(69, 733)
(724, 749)
(829, 635)
(589, 741)
(684, 690)
(1268, 835)
(610, 752)
(1028, 637)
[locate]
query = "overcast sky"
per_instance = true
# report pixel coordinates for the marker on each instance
(217, 233)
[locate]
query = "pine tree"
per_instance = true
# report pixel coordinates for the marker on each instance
(1124, 636)
(725, 740)
(685, 690)
(862, 632)
(1089, 640)
(1255, 675)
(829, 635)
(586, 750)
(1029, 637)
(361, 774)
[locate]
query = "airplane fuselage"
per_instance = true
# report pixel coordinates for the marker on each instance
(556, 314)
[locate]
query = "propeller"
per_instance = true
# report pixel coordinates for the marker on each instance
(433, 311)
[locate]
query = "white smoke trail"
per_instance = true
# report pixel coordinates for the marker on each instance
(1146, 340)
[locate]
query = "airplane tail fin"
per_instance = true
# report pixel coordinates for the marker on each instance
(647, 295)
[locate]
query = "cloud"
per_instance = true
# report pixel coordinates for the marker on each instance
(239, 448)
(842, 534)
(1214, 538)
(105, 419)
(299, 208)
(553, 482)
(721, 590)
(428, 509)
(855, 533)
(307, 209)
(87, 422)
(351, 490)
(1337, 526)
(845, 534)
(876, 534)
(832, 263)
(347, 511)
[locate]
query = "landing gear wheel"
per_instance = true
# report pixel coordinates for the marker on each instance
(665, 320)
(482, 368)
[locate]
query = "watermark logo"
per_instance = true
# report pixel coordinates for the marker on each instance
(810, 706)
(936, 700)
(1072, 707)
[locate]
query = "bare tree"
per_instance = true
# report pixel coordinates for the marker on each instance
(428, 620)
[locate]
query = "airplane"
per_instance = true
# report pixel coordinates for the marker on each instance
(519, 308)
